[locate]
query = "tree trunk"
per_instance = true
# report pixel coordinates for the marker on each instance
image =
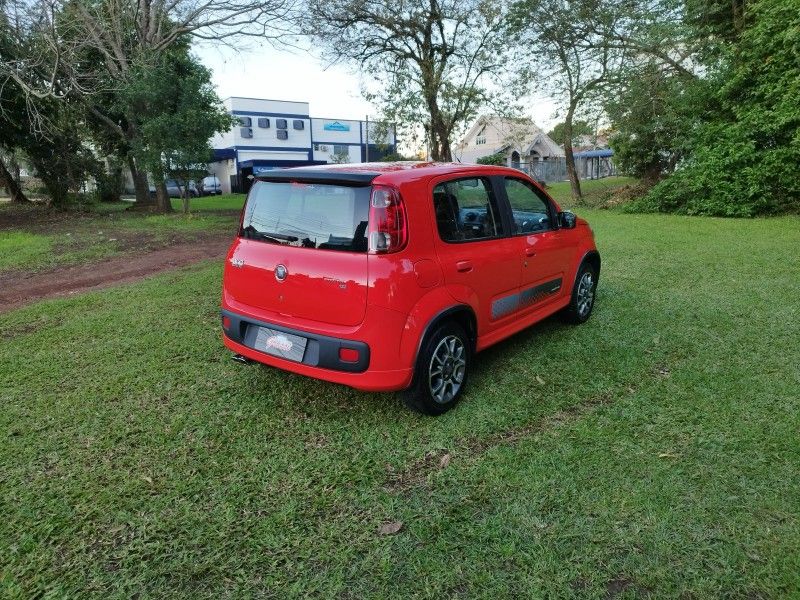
(11, 184)
(163, 203)
(440, 139)
(572, 173)
(185, 199)
(140, 185)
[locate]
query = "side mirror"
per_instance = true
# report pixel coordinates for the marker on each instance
(567, 220)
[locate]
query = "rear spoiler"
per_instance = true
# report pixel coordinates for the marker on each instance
(333, 176)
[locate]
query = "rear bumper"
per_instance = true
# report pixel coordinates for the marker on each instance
(321, 357)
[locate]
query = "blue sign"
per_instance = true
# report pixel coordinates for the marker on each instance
(336, 126)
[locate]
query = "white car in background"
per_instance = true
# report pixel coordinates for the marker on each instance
(210, 186)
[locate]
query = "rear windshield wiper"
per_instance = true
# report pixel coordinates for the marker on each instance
(278, 238)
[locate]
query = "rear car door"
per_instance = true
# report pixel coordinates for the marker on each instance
(541, 246)
(480, 262)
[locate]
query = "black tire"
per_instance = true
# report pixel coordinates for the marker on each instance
(452, 345)
(577, 311)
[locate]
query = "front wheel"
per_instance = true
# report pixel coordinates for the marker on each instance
(441, 371)
(581, 304)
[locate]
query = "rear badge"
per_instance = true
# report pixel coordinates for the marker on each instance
(237, 262)
(280, 342)
(280, 272)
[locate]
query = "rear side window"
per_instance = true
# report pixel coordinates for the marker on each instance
(530, 210)
(466, 210)
(308, 215)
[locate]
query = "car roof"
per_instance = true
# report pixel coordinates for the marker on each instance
(380, 172)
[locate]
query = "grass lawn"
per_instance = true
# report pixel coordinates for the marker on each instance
(225, 202)
(33, 238)
(592, 189)
(653, 450)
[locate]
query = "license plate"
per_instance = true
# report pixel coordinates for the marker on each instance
(278, 343)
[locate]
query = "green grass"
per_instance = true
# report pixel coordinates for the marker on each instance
(39, 239)
(652, 451)
(592, 189)
(228, 202)
(19, 247)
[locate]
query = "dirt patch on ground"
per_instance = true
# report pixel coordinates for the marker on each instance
(18, 289)
(417, 473)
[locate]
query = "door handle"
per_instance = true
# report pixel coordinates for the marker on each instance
(463, 266)
(530, 251)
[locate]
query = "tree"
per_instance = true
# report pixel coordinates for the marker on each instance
(87, 50)
(429, 59)
(177, 112)
(566, 51)
(50, 142)
(651, 115)
(742, 155)
(579, 128)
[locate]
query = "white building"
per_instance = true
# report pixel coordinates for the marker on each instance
(520, 141)
(274, 134)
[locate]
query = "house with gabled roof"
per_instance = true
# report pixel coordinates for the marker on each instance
(519, 140)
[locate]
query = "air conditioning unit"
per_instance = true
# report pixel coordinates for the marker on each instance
(323, 148)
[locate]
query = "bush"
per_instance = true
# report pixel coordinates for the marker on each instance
(744, 158)
(492, 159)
(110, 185)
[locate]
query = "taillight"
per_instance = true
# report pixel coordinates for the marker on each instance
(387, 221)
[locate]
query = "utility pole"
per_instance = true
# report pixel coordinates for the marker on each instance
(366, 159)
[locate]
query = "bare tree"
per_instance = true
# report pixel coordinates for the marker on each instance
(81, 50)
(431, 61)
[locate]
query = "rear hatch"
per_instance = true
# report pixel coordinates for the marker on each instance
(302, 251)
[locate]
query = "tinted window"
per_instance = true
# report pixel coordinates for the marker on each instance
(308, 215)
(466, 210)
(529, 208)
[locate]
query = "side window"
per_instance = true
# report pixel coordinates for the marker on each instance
(466, 210)
(529, 208)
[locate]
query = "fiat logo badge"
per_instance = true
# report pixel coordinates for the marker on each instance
(280, 272)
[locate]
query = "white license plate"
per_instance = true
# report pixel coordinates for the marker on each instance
(278, 343)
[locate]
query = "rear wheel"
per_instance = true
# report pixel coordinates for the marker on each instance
(581, 304)
(441, 371)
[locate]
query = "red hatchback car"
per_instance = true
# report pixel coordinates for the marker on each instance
(392, 276)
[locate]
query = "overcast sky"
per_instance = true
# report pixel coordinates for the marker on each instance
(298, 76)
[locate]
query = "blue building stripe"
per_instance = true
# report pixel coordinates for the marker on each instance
(275, 148)
(250, 113)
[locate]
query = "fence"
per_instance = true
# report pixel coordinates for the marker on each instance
(555, 169)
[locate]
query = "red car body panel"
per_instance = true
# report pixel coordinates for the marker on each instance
(387, 302)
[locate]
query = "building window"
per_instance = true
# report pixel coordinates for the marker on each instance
(480, 139)
(341, 149)
(298, 124)
(283, 134)
(280, 123)
(245, 121)
(263, 123)
(246, 132)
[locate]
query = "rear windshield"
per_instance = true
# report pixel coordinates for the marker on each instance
(308, 215)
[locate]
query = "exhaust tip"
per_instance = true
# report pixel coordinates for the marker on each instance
(241, 359)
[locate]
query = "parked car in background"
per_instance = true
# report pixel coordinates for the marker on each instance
(175, 188)
(210, 186)
(392, 276)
